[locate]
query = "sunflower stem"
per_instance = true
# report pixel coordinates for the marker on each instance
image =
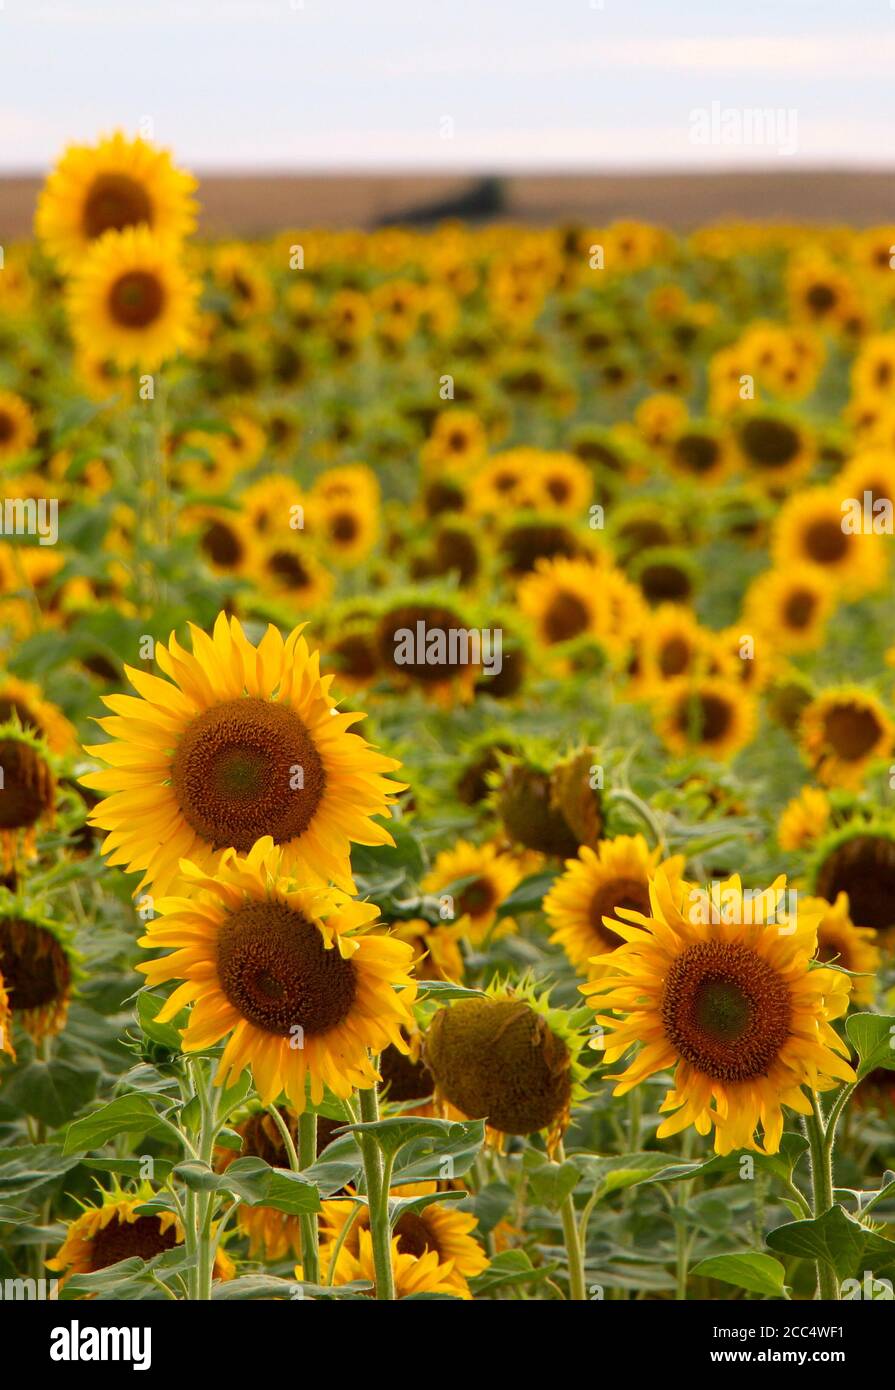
(208, 1100)
(377, 1197)
(643, 811)
(310, 1239)
(574, 1248)
(821, 1155)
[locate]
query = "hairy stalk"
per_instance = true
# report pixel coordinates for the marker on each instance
(377, 1176)
(821, 1155)
(572, 1237)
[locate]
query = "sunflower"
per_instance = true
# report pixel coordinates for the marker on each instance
(437, 1228)
(714, 988)
(858, 859)
(423, 1274)
(775, 449)
(351, 482)
(458, 442)
(852, 948)
(671, 645)
(583, 902)
(39, 968)
(273, 505)
(565, 599)
(414, 648)
(117, 1230)
(237, 271)
(242, 742)
(565, 483)
(25, 700)
(790, 606)
(701, 451)
(803, 819)
(711, 715)
(292, 977)
(115, 185)
(503, 482)
(29, 789)
(666, 574)
(225, 541)
(809, 530)
(871, 470)
(17, 428)
(347, 528)
(842, 731)
(508, 1058)
(492, 875)
(131, 300)
(287, 569)
(660, 417)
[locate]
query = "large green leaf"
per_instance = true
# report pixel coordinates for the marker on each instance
(131, 1114)
(873, 1037)
(748, 1269)
(839, 1240)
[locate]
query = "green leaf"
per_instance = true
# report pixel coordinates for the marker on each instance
(510, 1267)
(873, 1037)
(167, 1034)
(52, 1091)
(132, 1114)
(528, 895)
(445, 991)
(131, 1167)
(552, 1183)
(268, 1286)
(749, 1270)
(258, 1184)
(31, 1168)
(397, 1206)
(839, 1240)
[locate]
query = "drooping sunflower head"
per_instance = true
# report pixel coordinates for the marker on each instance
(507, 1058)
(39, 967)
(131, 299)
(241, 742)
(28, 797)
(527, 801)
(583, 904)
(858, 859)
(717, 985)
(292, 977)
(842, 731)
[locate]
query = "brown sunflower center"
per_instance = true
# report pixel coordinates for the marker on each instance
(697, 453)
(630, 893)
(705, 718)
(565, 617)
(136, 299)
(851, 731)
(406, 619)
(355, 655)
(414, 1236)
(821, 298)
(277, 972)
(663, 580)
(222, 545)
(726, 1010)
(403, 1078)
(7, 427)
(33, 965)
(28, 785)
(799, 608)
(771, 443)
(674, 656)
(499, 1059)
(524, 545)
(113, 203)
(123, 1240)
(477, 898)
(864, 868)
(825, 541)
(343, 528)
(288, 568)
(247, 768)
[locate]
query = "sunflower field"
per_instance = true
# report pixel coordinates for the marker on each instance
(447, 757)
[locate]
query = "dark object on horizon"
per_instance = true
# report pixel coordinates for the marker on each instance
(485, 198)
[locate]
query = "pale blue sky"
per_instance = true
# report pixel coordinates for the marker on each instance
(528, 84)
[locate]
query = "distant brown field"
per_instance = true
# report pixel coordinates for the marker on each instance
(247, 204)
